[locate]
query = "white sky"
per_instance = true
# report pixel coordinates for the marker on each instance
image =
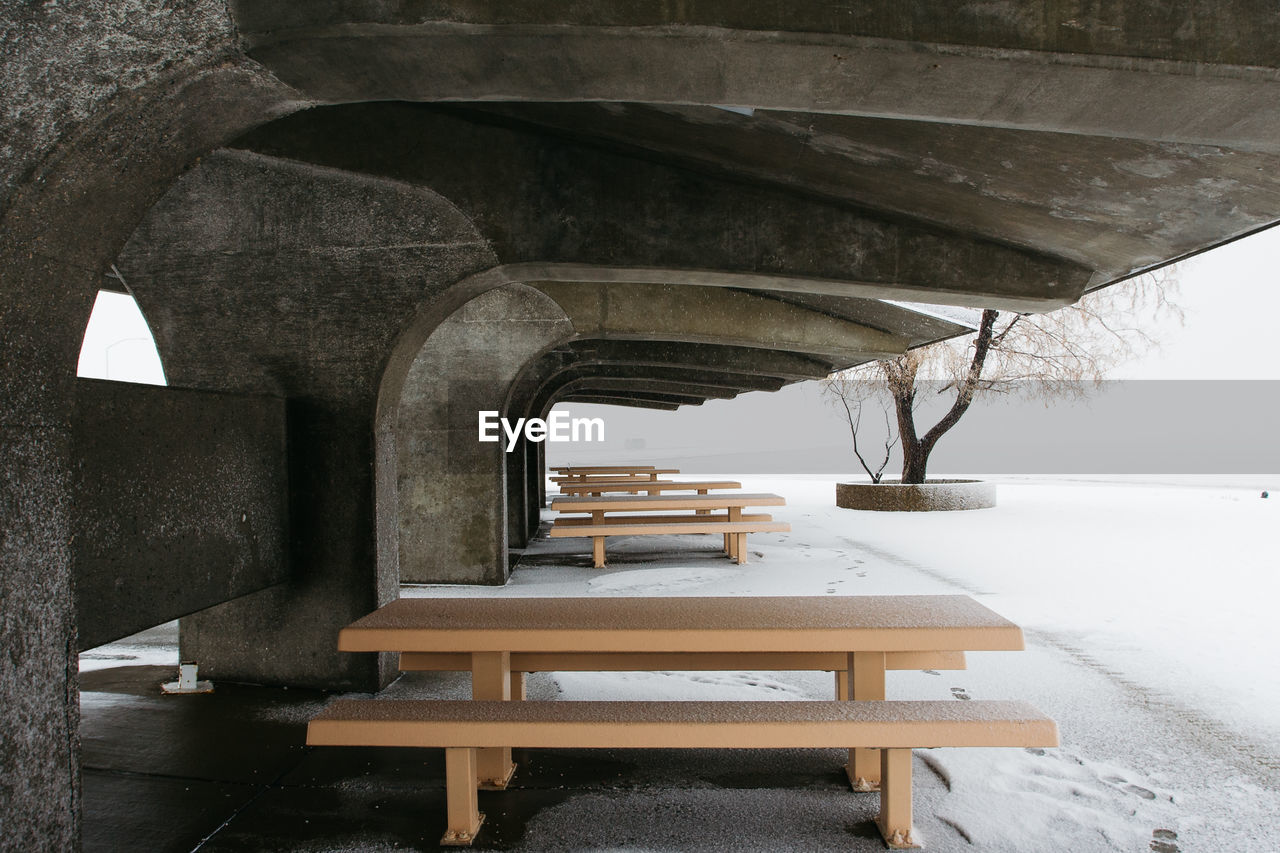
(1231, 299)
(1230, 296)
(117, 343)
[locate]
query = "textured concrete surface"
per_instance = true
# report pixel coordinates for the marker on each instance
(452, 519)
(181, 500)
(930, 496)
(1011, 154)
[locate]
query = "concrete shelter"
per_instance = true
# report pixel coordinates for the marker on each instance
(351, 226)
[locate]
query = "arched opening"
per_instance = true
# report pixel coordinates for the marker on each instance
(118, 344)
(442, 493)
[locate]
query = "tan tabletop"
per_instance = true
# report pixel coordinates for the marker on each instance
(719, 624)
(632, 503)
(645, 471)
(649, 487)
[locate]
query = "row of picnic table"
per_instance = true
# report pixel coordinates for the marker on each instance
(500, 640)
(633, 500)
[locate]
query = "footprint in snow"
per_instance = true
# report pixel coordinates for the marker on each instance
(959, 693)
(1163, 841)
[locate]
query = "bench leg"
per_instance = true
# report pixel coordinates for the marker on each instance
(518, 693)
(597, 551)
(894, 820)
(491, 679)
(702, 511)
(864, 681)
(460, 793)
(728, 548)
(740, 547)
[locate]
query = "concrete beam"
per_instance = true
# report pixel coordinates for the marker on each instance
(610, 385)
(749, 360)
(707, 378)
(550, 400)
(559, 209)
(1182, 76)
(716, 316)
(632, 402)
(1098, 201)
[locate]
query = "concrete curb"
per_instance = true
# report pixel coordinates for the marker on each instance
(931, 496)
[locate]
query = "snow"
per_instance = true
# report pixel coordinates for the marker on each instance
(1148, 609)
(1148, 606)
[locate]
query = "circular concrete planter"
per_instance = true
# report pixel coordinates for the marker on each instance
(930, 496)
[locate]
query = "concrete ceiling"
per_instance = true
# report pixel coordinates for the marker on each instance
(1012, 156)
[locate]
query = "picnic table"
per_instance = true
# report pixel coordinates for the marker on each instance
(648, 487)
(617, 472)
(499, 639)
(605, 521)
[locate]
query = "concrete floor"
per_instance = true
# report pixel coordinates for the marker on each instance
(229, 772)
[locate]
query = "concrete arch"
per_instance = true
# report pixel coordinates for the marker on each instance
(85, 159)
(450, 490)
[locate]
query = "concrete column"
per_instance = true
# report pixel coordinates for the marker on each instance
(517, 495)
(535, 485)
(39, 737)
(452, 492)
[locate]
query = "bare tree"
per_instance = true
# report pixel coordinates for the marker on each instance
(1063, 353)
(851, 394)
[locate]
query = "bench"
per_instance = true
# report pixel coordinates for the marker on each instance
(858, 637)
(648, 487)
(616, 472)
(895, 728)
(597, 528)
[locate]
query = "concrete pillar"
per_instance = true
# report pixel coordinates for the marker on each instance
(39, 738)
(517, 495)
(451, 487)
(535, 486)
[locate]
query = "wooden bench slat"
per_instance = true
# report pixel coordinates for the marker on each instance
(681, 725)
(579, 521)
(684, 661)
(647, 503)
(590, 487)
(608, 528)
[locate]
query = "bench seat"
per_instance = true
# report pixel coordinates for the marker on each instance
(586, 521)
(894, 727)
(735, 532)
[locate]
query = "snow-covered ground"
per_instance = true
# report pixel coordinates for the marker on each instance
(1150, 608)
(1150, 611)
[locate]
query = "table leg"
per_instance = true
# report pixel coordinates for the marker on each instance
(460, 797)
(865, 683)
(702, 511)
(597, 551)
(491, 679)
(740, 547)
(894, 819)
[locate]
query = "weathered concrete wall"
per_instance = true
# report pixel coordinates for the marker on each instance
(267, 276)
(105, 102)
(180, 499)
(452, 490)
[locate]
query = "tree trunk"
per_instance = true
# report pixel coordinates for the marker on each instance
(915, 451)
